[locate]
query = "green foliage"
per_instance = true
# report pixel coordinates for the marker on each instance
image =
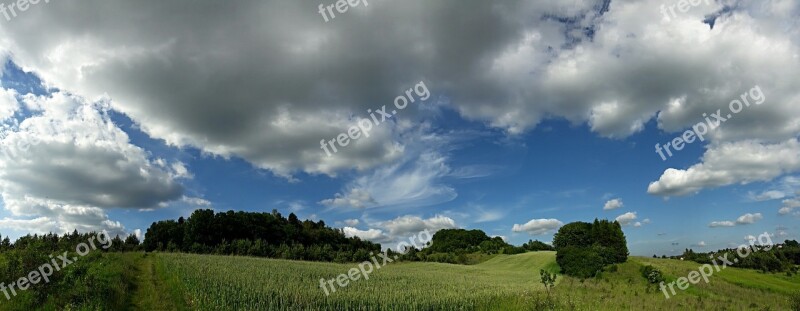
(794, 302)
(97, 281)
(576, 234)
(580, 262)
(602, 243)
(537, 246)
(775, 260)
(548, 279)
(256, 234)
(460, 240)
(653, 275)
(459, 246)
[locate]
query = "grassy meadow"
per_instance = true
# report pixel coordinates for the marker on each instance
(166, 281)
(501, 283)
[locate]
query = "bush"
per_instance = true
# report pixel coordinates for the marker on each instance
(653, 275)
(579, 262)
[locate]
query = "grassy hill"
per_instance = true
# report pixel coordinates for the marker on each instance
(501, 283)
(165, 281)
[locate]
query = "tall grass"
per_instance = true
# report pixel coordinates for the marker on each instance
(215, 283)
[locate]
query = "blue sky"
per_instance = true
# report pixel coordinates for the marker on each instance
(529, 125)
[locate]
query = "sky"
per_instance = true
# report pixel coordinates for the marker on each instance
(512, 117)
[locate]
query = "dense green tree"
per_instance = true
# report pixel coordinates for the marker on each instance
(577, 234)
(256, 234)
(535, 246)
(601, 240)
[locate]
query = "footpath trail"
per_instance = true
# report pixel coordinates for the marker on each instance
(150, 292)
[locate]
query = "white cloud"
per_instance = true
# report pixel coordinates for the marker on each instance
(530, 66)
(613, 204)
(789, 205)
(505, 238)
(8, 104)
(180, 171)
(357, 198)
(369, 235)
(717, 224)
(404, 226)
(68, 162)
(401, 229)
(748, 218)
(196, 201)
(745, 219)
(767, 195)
(538, 226)
(139, 234)
(413, 182)
(729, 163)
(627, 218)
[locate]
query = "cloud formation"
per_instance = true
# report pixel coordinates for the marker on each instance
(613, 204)
(538, 226)
(746, 219)
(68, 162)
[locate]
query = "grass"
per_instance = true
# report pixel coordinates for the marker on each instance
(500, 283)
(138, 281)
(214, 282)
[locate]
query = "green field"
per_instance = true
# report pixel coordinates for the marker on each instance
(164, 281)
(200, 282)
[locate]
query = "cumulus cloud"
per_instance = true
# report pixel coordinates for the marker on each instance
(8, 104)
(626, 219)
(745, 219)
(748, 218)
(196, 201)
(68, 161)
(730, 163)
(412, 225)
(789, 206)
(538, 226)
(368, 235)
(401, 229)
(293, 86)
(767, 195)
(613, 204)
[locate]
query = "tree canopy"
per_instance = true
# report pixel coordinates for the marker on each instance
(585, 248)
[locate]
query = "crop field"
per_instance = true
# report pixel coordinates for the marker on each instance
(502, 283)
(215, 282)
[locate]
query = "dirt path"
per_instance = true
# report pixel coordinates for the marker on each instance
(150, 292)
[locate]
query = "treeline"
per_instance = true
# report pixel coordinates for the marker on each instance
(781, 258)
(459, 246)
(94, 281)
(256, 234)
(584, 249)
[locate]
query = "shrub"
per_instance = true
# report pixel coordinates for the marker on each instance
(653, 275)
(548, 280)
(579, 262)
